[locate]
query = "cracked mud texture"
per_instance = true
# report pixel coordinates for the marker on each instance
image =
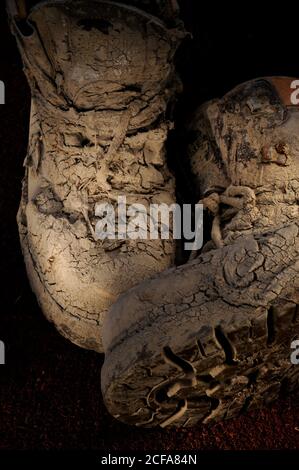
(225, 336)
(43, 404)
(238, 300)
(98, 126)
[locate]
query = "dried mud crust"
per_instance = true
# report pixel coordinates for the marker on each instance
(98, 127)
(219, 341)
(215, 346)
(216, 381)
(80, 330)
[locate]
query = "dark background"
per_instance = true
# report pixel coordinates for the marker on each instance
(50, 390)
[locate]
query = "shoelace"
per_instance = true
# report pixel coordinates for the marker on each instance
(237, 198)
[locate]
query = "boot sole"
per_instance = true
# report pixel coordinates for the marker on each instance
(218, 372)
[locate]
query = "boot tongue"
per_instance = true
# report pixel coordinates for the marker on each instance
(249, 140)
(254, 134)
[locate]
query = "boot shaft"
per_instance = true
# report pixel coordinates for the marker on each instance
(102, 77)
(246, 147)
(99, 56)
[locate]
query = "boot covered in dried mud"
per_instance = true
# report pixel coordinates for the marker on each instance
(101, 77)
(212, 338)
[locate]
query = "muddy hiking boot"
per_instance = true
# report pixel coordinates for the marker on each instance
(102, 79)
(212, 338)
(196, 343)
